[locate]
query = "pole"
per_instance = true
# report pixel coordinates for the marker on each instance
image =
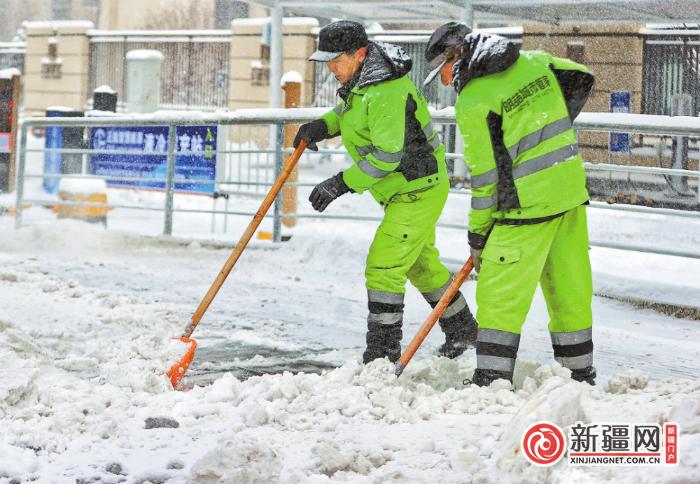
(276, 59)
(276, 56)
(13, 133)
(169, 184)
(20, 174)
(279, 161)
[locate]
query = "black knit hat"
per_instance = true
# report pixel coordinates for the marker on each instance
(337, 38)
(444, 41)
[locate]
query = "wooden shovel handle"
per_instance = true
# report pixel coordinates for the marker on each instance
(434, 315)
(245, 238)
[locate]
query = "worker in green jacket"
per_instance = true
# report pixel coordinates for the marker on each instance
(527, 223)
(398, 157)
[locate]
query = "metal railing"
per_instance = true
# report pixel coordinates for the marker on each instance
(277, 118)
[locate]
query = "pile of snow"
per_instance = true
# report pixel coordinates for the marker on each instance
(105, 89)
(82, 185)
(144, 54)
(9, 73)
(291, 77)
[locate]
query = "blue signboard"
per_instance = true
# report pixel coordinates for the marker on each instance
(154, 139)
(619, 103)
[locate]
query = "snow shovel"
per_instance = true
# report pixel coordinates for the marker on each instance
(178, 370)
(434, 315)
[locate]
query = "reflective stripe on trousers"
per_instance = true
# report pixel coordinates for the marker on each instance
(457, 304)
(384, 307)
(496, 350)
(573, 350)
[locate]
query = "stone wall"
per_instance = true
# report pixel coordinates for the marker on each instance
(67, 84)
(299, 41)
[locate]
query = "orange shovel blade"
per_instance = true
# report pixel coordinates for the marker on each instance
(178, 370)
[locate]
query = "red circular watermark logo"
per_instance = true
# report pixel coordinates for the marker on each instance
(543, 443)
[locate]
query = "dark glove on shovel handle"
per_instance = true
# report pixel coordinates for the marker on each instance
(311, 133)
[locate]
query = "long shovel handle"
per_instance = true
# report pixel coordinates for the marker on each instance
(245, 238)
(434, 315)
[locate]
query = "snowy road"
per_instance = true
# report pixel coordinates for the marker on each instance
(288, 305)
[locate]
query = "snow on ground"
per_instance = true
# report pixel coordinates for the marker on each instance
(87, 317)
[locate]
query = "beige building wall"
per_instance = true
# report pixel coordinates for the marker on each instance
(615, 55)
(14, 12)
(73, 49)
(157, 14)
(299, 42)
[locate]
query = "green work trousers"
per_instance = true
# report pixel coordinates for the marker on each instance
(517, 257)
(404, 245)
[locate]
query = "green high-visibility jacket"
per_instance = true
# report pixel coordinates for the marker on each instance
(519, 144)
(385, 126)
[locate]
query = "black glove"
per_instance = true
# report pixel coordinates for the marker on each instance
(311, 133)
(327, 191)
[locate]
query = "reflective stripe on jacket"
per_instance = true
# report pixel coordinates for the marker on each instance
(386, 129)
(519, 142)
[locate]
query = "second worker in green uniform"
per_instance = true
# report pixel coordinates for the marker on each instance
(398, 157)
(527, 223)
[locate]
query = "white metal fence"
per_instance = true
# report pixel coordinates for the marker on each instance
(234, 179)
(195, 66)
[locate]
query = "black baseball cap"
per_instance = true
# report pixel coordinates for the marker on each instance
(442, 46)
(337, 38)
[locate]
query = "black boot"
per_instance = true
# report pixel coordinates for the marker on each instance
(460, 328)
(383, 325)
(383, 340)
(484, 378)
(586, 375)
(496, 352)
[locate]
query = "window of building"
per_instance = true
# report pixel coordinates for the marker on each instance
(227, 10)
(60, 9)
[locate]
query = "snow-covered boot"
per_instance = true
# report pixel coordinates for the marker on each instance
(484, 378)
(459, 326)
(586, 375)
(383, 340)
